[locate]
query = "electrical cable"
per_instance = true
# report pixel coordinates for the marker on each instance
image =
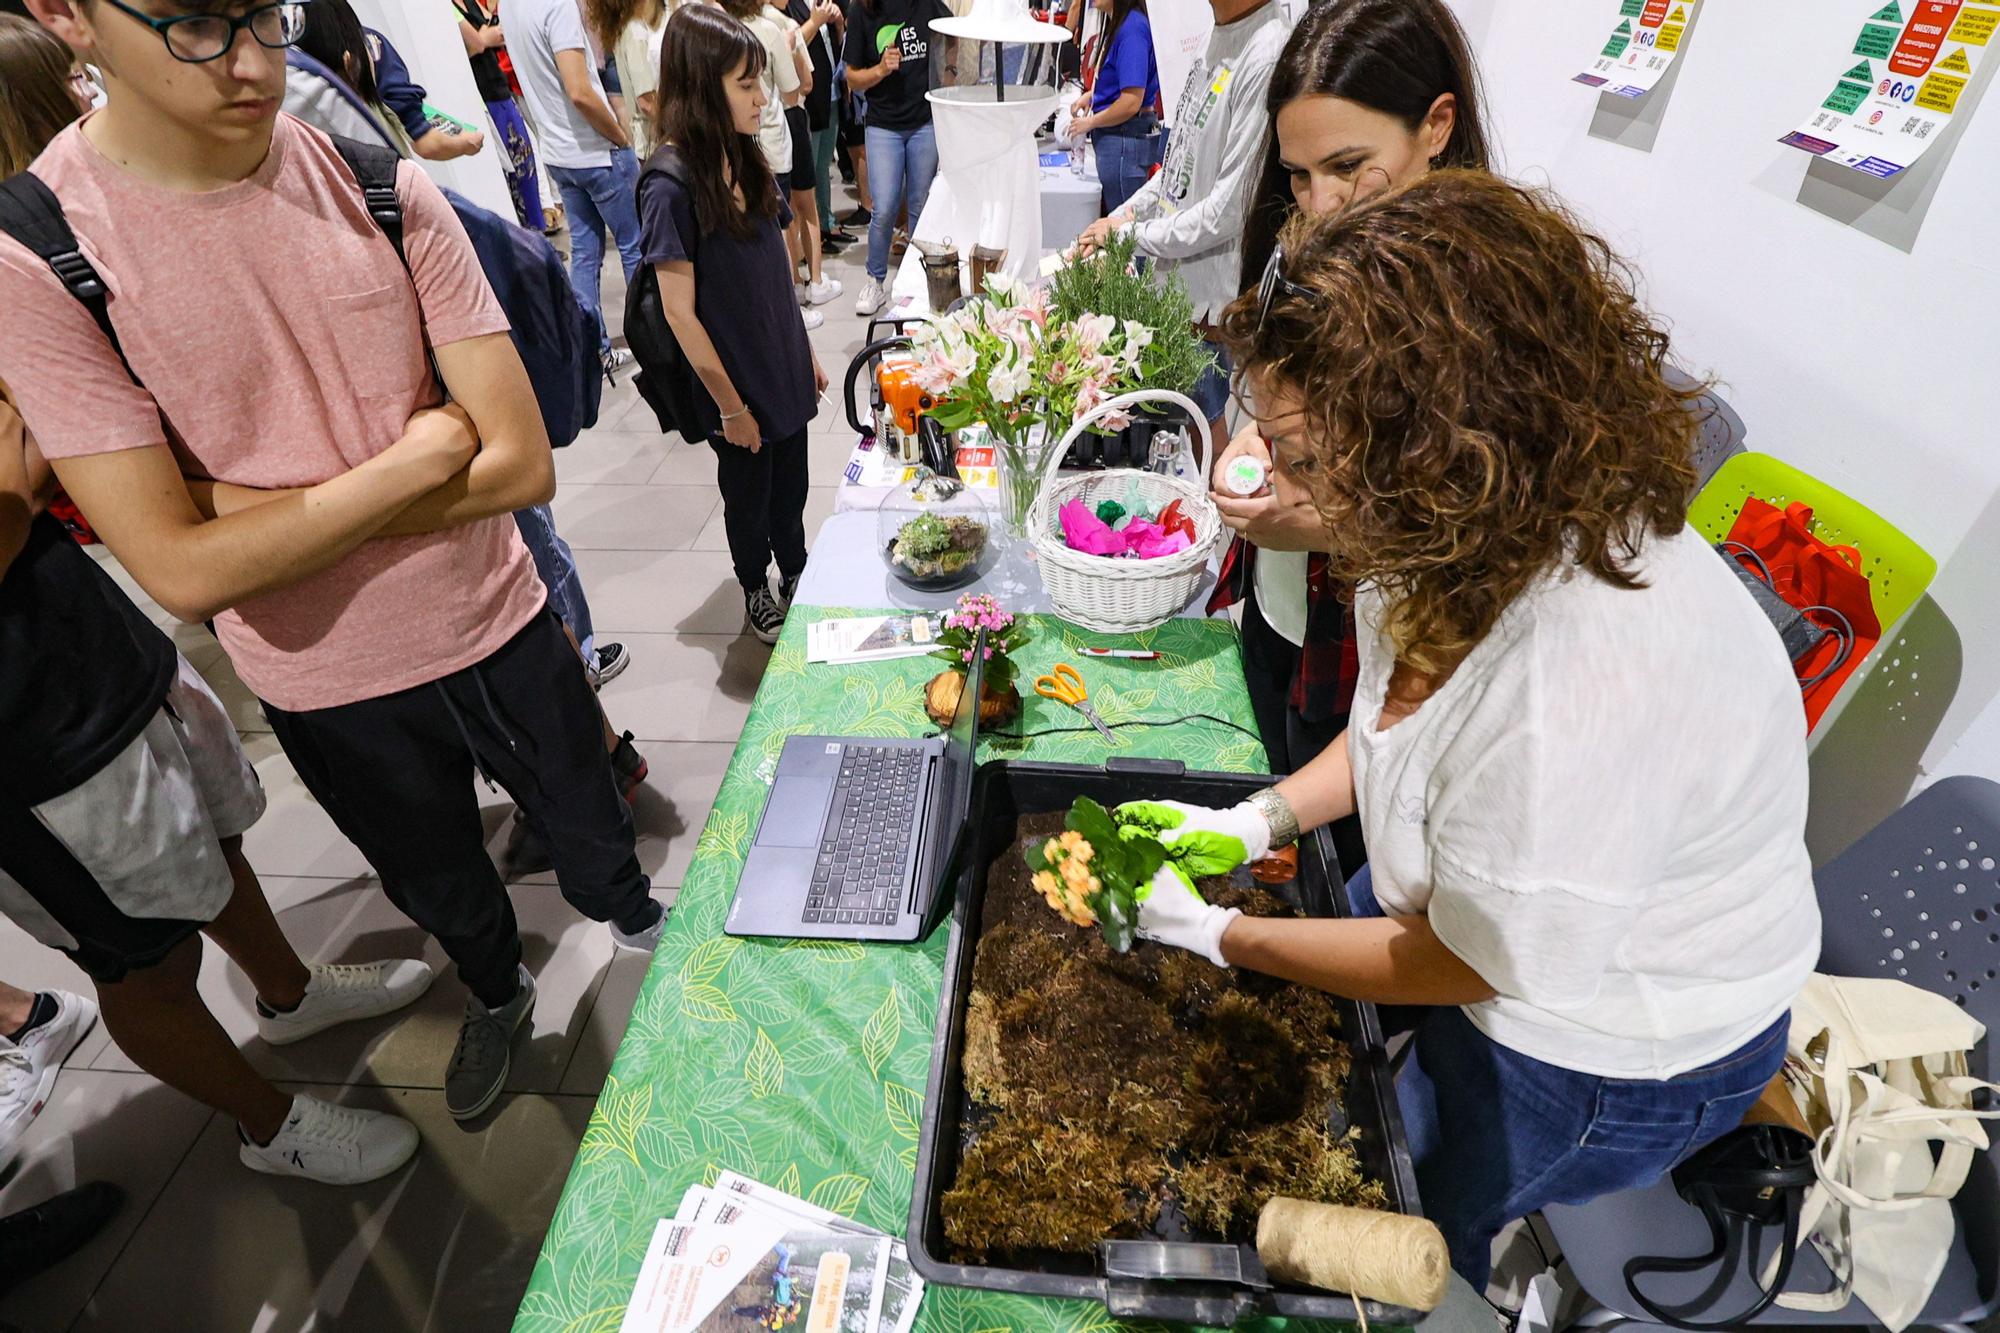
(1130, 722)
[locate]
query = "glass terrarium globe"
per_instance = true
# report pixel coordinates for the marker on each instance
(935, 533)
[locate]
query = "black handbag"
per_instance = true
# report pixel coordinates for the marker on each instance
(1752, 1178)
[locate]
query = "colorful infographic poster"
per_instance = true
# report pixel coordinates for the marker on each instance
(1642, 47)
(1913, 61)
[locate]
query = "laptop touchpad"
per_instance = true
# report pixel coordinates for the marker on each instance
(796, 811)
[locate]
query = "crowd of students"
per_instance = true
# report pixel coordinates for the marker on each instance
(1451, 593)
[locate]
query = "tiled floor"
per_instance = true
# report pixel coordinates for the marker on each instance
(202, 1243)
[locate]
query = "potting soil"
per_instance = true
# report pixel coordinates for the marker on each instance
(1114, 1096)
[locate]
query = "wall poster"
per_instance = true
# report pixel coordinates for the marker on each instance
(1912, 63)
(1642, 47)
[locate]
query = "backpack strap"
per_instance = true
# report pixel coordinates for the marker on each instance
(374, 166)
(32, 215)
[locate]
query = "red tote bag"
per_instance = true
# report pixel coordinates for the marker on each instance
(1825, 582)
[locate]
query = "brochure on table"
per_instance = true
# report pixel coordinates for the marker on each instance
(735, 1262)
(1642, 47)
(1911, 65)
(857, 639)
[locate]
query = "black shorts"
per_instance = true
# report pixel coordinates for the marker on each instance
(801, 175)
(103, 940)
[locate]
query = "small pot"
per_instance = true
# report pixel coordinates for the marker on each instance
(986, 259)
(996, 709)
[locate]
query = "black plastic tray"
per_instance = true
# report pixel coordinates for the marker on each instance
(1002, 792)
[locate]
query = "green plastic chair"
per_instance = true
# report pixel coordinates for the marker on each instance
(1898, 569)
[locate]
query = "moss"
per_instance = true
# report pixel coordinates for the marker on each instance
(1106, 1085)
(1029, 1185)
(1295, 1160)
(984, 1067)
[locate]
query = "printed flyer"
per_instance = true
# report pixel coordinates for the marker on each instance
(1642, 47)
(1913, 61)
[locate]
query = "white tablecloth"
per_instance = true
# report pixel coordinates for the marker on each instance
(847, 570)
(1069, 204)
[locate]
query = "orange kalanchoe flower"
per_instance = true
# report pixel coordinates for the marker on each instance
(1068, 887)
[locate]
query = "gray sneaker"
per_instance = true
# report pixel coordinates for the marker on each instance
(479, 1063)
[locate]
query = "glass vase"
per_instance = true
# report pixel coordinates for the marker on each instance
(1021, 460)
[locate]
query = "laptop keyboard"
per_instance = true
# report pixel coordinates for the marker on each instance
(858, 879)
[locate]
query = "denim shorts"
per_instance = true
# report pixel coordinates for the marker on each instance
(1496, 1134)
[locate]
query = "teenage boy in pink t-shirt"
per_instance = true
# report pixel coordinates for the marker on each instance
(397, 635)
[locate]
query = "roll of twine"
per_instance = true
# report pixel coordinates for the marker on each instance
(1370, 1255)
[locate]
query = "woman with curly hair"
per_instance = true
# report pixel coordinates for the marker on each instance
(1576, 746)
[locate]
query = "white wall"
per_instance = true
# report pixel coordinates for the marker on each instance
(1853, 325)
(425, 34)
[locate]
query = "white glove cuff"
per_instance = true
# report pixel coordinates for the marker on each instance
(1212, 930)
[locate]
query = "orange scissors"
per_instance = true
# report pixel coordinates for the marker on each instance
(1065, 686)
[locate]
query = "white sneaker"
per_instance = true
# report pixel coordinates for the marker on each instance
(335, 1145)
(823, 291)
(644, 941)
(345, 993)
(871, 298)
(28, 1070)
(813, 319)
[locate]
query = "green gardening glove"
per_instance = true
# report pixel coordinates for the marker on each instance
(1200, 842)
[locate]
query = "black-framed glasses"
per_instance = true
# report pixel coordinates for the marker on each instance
(196, 39)
(1273, 282)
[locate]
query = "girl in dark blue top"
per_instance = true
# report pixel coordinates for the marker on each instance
(1121, 111)
(717, 241)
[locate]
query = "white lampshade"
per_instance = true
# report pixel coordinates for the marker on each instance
(1001, 21)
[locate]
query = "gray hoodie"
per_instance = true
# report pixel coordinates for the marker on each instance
(1191, 213)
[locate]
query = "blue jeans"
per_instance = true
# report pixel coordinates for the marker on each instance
(557, 567)
(1496, 1134)
(901, 164)
(596, 198)
(1211, 391)
(1124, 162)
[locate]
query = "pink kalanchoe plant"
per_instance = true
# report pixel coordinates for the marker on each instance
(1005, 635)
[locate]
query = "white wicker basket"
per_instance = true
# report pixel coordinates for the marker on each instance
(1107, 593)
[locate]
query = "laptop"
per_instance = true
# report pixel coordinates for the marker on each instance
(859, 834)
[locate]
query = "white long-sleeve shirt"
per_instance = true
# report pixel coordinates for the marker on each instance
(1190, 215)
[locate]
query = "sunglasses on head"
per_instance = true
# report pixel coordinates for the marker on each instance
(1274, 281)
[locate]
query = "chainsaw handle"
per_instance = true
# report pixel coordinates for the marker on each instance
(866, 358)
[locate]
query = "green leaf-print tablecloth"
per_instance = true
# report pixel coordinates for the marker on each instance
(804, 1064)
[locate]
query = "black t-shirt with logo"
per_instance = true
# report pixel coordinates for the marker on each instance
(81, 670)
(897, 102)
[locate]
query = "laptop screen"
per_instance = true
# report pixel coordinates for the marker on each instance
(961, 752)
(961, 743)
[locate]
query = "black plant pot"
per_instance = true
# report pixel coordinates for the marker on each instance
(1130, 447)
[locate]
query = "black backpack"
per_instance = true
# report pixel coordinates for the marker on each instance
(32, 215)
(665, 380)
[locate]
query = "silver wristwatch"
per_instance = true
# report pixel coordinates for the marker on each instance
(1278, 813)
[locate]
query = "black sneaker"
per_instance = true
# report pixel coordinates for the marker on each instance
(37, 1239)
(787, 590)
(767, 618)
(614, 361)
(859, 217)
(612, 658)
(629, 765)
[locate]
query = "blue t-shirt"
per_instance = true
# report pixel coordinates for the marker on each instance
(403, 95)
(1128, 64)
